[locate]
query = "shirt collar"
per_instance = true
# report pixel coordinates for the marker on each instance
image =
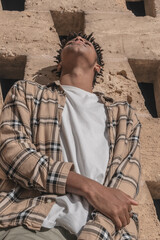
(59, 88)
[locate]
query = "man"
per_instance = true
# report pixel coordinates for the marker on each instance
(69, 158)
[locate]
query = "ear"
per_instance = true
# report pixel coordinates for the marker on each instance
(59, 66)
(97, 68)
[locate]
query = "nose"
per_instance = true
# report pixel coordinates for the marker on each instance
(79, 38)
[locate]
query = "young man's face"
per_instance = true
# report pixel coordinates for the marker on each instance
(79, 47)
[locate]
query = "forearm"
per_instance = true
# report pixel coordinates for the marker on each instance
(112, 203)
(78, 184)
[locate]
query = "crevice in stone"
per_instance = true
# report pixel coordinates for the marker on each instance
(146, 74)
(11, 70)
(142, 8)
(154, 188)
(137, 8)
(6, 84)
(13, 5)
(68, 22)
(157, 206)
(147, 90)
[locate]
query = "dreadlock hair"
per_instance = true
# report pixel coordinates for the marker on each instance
(97, 47)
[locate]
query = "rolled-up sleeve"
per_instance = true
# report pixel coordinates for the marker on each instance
(19, 159)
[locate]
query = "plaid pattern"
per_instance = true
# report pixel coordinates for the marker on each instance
(32, 171)
(94, 230)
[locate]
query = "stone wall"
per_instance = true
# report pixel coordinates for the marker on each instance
(30, 38)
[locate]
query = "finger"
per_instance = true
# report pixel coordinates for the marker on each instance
(133, 202)
(127, 215)
(129, 208)
(123, 219)
(130, 213)
(117, 222)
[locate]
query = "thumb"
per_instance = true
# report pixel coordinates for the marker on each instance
(133, 202)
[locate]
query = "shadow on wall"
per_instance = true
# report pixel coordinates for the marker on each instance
(12, 69)
(46, 75)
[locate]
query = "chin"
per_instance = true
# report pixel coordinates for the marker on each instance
(72, 53)
(75, 52)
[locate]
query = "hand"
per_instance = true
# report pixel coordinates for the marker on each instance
(111, 202)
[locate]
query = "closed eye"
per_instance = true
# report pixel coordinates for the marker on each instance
(68, 43)
(88, 43)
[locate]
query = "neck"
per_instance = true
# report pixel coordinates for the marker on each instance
(77, 78)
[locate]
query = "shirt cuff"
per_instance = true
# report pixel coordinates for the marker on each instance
(57, 177)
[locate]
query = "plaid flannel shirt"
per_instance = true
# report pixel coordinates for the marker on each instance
(32, 171)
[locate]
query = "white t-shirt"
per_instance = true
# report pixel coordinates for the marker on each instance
(84, 142)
